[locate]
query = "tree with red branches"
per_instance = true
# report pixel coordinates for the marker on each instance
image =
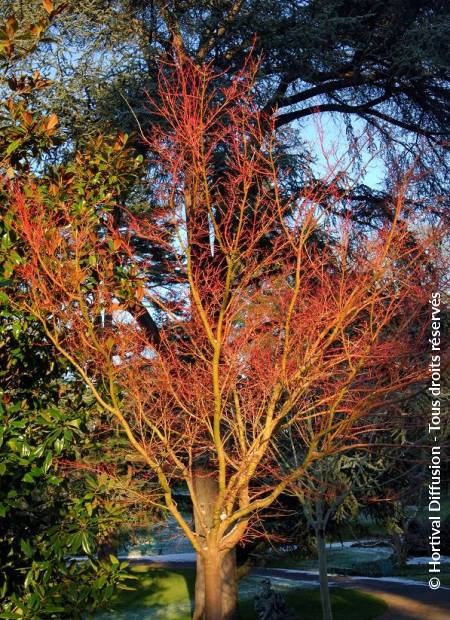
(271, 317)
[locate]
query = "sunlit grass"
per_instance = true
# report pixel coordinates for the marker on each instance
(159, 594)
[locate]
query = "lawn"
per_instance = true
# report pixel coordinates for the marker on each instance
(420, 573)
(444, 578)
(342, 559)
(167, 594)
(338, 559)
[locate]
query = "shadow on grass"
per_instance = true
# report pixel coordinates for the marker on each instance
(166, 594)
(347, 605)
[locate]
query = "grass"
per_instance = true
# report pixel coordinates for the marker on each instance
(420, 573)
(344, 558)
(158, 593)
(444, 578)
(166, 594)
(445, 508)
(337, 558)
(347, 605)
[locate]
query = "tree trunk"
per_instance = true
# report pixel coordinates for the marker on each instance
(206, 492)
(229, 587)
(325, 599)
(213, 586)
(400, 549)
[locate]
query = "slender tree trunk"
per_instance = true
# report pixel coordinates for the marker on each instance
(327, 613)
(206, 492)
(400, 549)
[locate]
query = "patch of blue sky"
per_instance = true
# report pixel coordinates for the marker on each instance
(332, 149)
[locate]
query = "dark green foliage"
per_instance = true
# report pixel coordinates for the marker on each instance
(47, 513)
(46, 517)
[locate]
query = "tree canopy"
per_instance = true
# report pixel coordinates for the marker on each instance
(280, 331)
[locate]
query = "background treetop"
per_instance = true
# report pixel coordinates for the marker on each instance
(385, 63)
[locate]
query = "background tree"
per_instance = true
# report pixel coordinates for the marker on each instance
(399, 502)
(282, 334)
(332, 490)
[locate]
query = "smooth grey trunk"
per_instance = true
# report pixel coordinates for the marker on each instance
(325, 598)
(206, 492)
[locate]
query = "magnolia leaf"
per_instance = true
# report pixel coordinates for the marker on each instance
(36, 30)
(26, 548)
(47, 462)
(13, 147)
(11, 26)
(27, 117)
(48, 5)
(85, 543)
(52, 122)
